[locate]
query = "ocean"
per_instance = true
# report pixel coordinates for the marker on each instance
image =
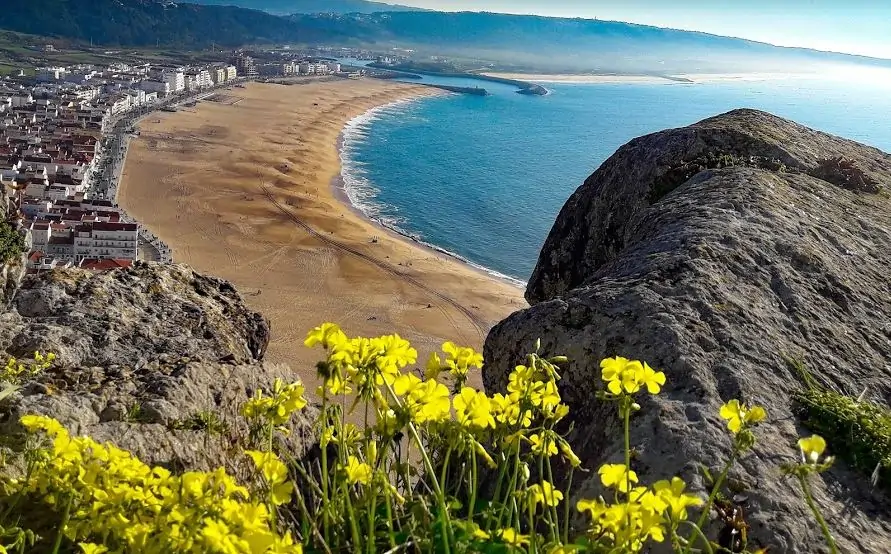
(484, 178)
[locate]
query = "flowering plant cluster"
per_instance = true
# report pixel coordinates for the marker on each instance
(408, 460)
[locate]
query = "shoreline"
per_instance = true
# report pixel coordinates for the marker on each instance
(566, 78)
(340, 192)
(249, 192)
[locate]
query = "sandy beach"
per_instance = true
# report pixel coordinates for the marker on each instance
(242, 189)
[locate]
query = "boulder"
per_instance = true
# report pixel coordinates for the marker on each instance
(718, 252)
(179, 415)
(156, 358)
(132, 317)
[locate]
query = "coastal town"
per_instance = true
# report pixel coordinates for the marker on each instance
(64, 134)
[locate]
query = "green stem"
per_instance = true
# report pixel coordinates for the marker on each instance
(555, 519)
(440, 497)
(354, 526)
(566, 507)
(809, 497)
(711, 497)
(372, 500)
(533, 547)
(698, 530)
(326, 523)
(626, 417)
(473, 484)
(497, 494)
(443, 476)
(66, 515)
(390, 531)
(510, 489)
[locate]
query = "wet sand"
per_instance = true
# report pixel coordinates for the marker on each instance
(242, 189)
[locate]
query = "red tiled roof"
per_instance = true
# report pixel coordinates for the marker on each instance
(114, 226)
(104, 265)
(35, 256)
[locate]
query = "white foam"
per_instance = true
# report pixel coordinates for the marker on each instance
(362, 194)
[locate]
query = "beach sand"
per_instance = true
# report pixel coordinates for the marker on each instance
(243, 190)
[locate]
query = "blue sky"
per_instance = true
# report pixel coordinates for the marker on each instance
(851, 26)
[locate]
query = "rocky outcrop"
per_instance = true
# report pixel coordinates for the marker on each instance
(157, 359)
(131, 317)
(175, 413)
(717, 252)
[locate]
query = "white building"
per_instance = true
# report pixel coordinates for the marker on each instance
(218, 75)
(137, 97)
(161, 88)
(21, 99)
(119, 104)
(176, 80)
(51, 73)
(106, 241)
(231, 72)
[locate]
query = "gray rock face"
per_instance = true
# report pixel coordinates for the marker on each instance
(154, 412)
(145, 356)
(713, 252)
(132, 316)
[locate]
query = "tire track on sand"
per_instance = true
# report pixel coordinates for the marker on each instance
(478, 323)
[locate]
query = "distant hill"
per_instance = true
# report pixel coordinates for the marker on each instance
(288, 7)
(563, 44)
(152, 22)
(535, 43)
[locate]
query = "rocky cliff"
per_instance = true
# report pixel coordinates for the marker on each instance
(156, 358)
(716, 252)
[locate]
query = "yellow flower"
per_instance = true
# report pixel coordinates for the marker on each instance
(812, 448)
(459, 360)
(277, 408)
(543, 444)
(327, 334)
(673, 493)
(739, 415)
(611, 368)
(434, 366)
(653, 379)
(406, 384)
(595, 508)
(624, 376)
(46, 424)
(544, 493)
(275, 473)
(568, 453)
(511, 537)
(617, 475)
(547, 396)
(507, 410)
(473, 409)
(89, 548)
(396, 351)
(357, 472)
(433, 402)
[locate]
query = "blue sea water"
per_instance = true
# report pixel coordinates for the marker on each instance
(484, 177)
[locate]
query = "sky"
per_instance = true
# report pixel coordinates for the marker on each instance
(850, 26)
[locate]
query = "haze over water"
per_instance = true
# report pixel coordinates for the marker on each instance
(484, 177)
